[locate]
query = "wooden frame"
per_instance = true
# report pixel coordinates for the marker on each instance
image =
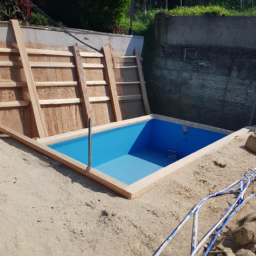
(83, 84)
(30, 80)
(138, 188)
(111, 83)
(142, 83)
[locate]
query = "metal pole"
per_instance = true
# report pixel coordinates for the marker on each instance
(166, 4)
(89, 147)
(253, 111)
(180, 3)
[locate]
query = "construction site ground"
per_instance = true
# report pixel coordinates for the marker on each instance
(48, 209)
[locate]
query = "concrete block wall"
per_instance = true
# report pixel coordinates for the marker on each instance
(203, 69)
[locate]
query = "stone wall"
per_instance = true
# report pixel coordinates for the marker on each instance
(203, 69)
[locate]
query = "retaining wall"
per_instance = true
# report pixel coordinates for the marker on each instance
(203, 69)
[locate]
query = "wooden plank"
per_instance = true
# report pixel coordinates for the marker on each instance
(52, 65)
(98, 99)
(83, 86)
(60, 101)
(72, 100)
(94, 174)
(68, 83)
(62, 65)
(111, 83)
(96, 82)
(117, 66)
(142, 83)
(12, 84)
(126, 57)
(135, 82)
(91, 54)
(46, 84)
(11, 104)
(92, 65)
(30, 80)
(10, 64)
(130, 97)
(84, 132)
(51, 52)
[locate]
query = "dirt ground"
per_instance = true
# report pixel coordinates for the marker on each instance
(49, 209)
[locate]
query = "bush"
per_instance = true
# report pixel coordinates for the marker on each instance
(200, 11)
(38, 19)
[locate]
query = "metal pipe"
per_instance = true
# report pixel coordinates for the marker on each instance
(89, 147)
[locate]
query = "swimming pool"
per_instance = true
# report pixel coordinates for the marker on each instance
(133, 152)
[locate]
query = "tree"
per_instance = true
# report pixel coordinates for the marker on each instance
(87, 14)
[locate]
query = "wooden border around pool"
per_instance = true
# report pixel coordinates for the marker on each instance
(139, 187)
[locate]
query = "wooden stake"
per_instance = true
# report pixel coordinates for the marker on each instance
(110, 77)
(30, 80)
(82, 81)
(142, 83)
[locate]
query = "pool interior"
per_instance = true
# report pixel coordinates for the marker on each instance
(133, 152)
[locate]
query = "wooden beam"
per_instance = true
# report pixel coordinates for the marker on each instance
(52, 65)
(8, 84)
(51, 52)
(91, 54)
(94, 174)
(135, 82)
(61, 65)
(10, 64)
(98, 99)
(82, 81)
(72, 100)
(126, 57)
(12, 104)
(142, 83)
(47, 84)
(44, 149)
(30, 80)
(130, 97)
(60, 101)
(68, 83)
(125, 66)
(96, 82)
(111, 83)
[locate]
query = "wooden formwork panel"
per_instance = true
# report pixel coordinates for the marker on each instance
(63, 118)
(110, 86)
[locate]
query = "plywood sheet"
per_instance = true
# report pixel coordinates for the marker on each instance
(102, 113)
(63, 118)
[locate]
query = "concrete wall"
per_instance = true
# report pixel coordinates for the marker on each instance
(203, 69)
(122, 44)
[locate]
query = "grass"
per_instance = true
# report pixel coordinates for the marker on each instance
(143, 22)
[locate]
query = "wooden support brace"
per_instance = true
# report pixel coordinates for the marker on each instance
(30, 80)
(142, 83)
(111, 83)
(82, 83)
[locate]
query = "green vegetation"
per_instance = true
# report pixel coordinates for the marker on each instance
(38, 19)
(87, 14)
(9, 9)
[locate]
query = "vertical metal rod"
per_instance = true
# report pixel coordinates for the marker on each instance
(89, 147)
(253, 112)
(180, 3)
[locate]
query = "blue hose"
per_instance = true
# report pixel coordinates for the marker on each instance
(228, 190)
